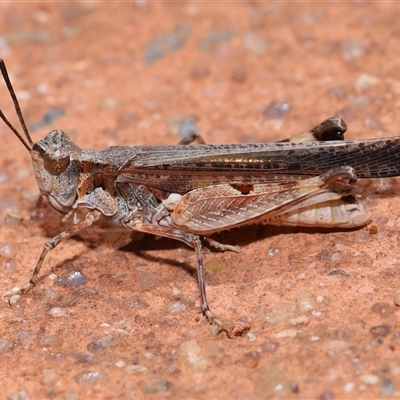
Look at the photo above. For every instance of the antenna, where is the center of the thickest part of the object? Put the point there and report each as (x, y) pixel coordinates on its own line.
(29, 143)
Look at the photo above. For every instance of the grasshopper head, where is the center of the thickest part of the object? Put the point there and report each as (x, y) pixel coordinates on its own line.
(57, 166)
(56, 160)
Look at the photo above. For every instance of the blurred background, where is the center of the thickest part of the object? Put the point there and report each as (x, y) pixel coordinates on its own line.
(142, 72)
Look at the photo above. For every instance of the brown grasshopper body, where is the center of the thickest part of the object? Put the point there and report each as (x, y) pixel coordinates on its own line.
(187, 193)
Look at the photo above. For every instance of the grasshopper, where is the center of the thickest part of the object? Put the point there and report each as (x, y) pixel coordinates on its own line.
(187, 193)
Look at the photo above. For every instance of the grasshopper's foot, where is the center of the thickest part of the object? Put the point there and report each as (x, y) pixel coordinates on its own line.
(221, 246)
(218, 325)
(237, 329)
(13, 296)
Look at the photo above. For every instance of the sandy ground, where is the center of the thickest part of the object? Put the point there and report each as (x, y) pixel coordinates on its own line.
(117, 316)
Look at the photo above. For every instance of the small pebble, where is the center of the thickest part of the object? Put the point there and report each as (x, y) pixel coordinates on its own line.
(339, 92)
(238, 75)
(302, 319)
(373, 229)
(380, 330)
(371, 122)
(335, 346)
(21, 395)
(51, 341)
(215, 38)
(382, 220)
(316, 313)
(276, 110)
(271, 383)
(396, 337)
(70, 396)
(6, 249)
(76, 279)
(51, 115)
(214, 266)
(326, 396)
(323, 255)
(160, 45)
(56, 357)
(396, 223)
(58, 312)
(88, 378)
(270, 346)
(280, 312)
(83, 358)
(126, 119)
(255, 44)
(382, 186)
(384, 310)
(154, 385)
(4, 48)
(6, 345)
(362, 237)
(341, 334)
(387, 387)
(352, 50)
(305, 301)
(361, 102)
(365, 81)
(339, 272)
(191, 352)
(312, 265)
(120, 364)
(138, 303)
(22, 336)
(48, 376)
(177, 307)
(349, 386)
(274, 250)
(286, 333)
(182, 127)
(147, 281)
(49, 296)
(109, 103)
(99, 346)
(251, 337)
(251, 359)
(370, 379)
(175, 291)
(95, 348)
(136, 369)
(200, 72)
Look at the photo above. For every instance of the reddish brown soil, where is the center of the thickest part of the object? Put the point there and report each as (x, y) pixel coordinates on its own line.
(129, 74)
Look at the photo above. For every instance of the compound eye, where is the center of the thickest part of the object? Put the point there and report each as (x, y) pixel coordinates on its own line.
(56, 167)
